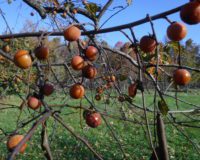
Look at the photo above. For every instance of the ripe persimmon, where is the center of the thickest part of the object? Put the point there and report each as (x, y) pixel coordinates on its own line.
(181, 77)
(77, 91)
(13, 141)
(48, 89)
(77, 63)
(190, 12)
(132, 90)
(34, 103)
(91, 53)
(176, 31)
(89, 72)
(147, 44)
(72, 33)
(93, 120)
(42, 52)
(22, 59)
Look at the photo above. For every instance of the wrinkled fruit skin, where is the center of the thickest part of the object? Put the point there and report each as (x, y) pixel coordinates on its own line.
(132, 90)
(93, 120)
(34, 103)
(13, 141)
(47, 89)
(77, 91)
(147, 44)
(176, 31)
(91, 53)
(89, 72)
(190, 13)
(22, 59)
(181, 77)
(72, 33)
(77, 63)
(42, 52)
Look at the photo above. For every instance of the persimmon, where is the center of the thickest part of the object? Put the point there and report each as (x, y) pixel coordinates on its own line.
(48, 88)
(181, 77)
(91, 53)
(72, 33)
(77, 91)
(74, 11)
(22, 59)
(13, 141)
(34, 103)
(6, 48)
(112, 78)
(99, 90)
(176, 31)
(89, 72)
(42, 52)
(147, 44)
(77, 63)
(132, 90)
(93, 120)
(98, 97)
(190, 12)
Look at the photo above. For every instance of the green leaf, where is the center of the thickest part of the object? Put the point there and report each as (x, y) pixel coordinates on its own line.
(162, 105)
(92, 8)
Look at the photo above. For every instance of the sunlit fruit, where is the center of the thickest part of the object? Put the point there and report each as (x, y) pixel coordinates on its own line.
(42, 52)
(34, 103)
(181, 77)
(72, 33)
(22, 59)
(147, 44)
(77, 63)
(190, 13)
(176, 31)
(91, 53)
(132, 90)
(6, 48)
(93, 120)
(89, 72)
(48, 89)
(13, 141)
(112, 78)
(77, 91)
(98, 97)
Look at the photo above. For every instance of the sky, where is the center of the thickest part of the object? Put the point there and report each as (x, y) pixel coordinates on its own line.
(17, 13)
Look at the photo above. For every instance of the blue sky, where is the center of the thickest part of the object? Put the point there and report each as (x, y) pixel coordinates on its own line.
(17, 14)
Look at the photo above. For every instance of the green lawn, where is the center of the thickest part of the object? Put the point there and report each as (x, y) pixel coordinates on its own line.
(131, 136)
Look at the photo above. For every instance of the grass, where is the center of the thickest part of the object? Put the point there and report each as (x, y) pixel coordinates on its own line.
(132, 136)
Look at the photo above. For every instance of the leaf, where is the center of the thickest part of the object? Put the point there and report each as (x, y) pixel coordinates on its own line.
(129, 2)
(162, 105)
(92, 8)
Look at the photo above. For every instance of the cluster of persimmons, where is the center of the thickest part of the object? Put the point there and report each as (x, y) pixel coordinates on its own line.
(190, 14)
